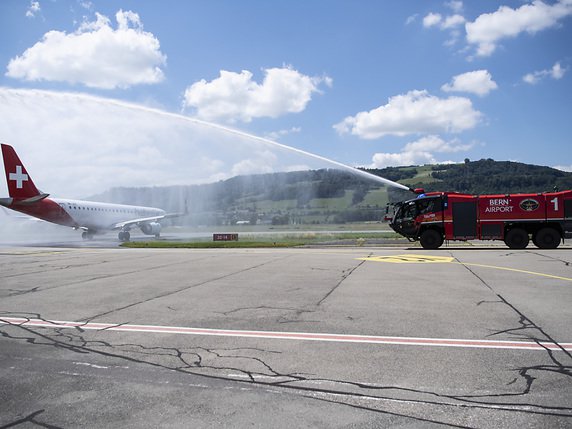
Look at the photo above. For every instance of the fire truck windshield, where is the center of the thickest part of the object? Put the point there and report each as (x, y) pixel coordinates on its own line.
(411, 209)
(405, 210)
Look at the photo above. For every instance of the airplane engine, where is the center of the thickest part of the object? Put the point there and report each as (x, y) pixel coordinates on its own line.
(151, 228)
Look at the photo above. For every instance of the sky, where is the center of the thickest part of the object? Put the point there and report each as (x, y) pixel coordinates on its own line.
(363, 82)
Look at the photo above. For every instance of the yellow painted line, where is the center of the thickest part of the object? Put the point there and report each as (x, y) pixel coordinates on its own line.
(423, 259)
(517, 271)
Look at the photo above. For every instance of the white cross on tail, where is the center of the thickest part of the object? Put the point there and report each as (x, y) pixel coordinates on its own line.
(19, 177)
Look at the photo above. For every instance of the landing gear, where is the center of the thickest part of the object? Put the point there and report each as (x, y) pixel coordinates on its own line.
(124, 236)
(547, 238)
(86, 235)
(516, 238)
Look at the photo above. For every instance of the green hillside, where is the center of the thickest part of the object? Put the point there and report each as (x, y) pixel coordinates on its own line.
(480, 177)
(307, 197)
(332, 196)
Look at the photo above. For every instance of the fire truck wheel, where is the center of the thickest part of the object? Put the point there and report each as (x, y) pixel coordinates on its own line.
(547, 238)
(431, 239)
(516, 238)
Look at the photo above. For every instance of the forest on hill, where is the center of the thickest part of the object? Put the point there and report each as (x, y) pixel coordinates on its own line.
(485, 176)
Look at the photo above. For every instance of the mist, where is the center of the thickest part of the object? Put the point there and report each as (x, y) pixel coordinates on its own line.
(80, 146)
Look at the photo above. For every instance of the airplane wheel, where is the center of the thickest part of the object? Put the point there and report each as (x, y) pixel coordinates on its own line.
(516, 238)
(124, 236)
(84, 235)
(547, 238)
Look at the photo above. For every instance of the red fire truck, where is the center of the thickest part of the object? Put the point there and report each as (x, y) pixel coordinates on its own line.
(437, 216)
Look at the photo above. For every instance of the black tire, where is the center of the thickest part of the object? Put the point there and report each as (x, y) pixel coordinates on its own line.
(516, 238)
(124, 236)
(547, 238)
(431, 239)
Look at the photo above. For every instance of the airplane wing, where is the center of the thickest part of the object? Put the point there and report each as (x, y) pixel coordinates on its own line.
(137, 222)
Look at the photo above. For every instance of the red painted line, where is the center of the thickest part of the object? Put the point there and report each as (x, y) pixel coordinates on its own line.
(305, 336)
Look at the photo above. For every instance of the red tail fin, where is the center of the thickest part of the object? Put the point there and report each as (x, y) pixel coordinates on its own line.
(20, 184)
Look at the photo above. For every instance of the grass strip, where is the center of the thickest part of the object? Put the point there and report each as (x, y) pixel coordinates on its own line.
(251, 241)
(211, 244)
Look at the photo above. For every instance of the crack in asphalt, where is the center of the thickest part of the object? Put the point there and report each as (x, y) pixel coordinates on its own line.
(567, 263)
(65, 267)
(31, 418)
(522, 331)
(261, 307)
(282, 319)
(106, 276)
(219, 361)
(390, 413)
(69, 266)
(345, 275)
(184, 288)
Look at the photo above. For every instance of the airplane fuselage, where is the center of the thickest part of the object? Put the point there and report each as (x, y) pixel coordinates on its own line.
(94, 216)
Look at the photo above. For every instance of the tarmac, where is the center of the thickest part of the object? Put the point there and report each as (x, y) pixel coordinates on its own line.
(335, 337)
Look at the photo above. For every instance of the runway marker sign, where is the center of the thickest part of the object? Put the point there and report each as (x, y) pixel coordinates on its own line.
(424, 259)
(410, 259)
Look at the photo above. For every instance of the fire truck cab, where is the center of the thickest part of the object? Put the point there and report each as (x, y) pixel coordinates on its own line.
(514, 218)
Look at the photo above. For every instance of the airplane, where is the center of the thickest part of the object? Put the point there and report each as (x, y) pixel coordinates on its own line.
(89, 216)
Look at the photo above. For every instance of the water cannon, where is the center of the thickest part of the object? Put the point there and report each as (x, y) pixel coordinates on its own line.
(417, 191)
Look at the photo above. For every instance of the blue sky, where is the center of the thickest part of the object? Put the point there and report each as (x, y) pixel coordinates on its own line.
(365, 82)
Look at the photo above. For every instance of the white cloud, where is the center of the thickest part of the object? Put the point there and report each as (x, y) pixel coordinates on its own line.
(556, 72)
(33, 9)
(382, 160)
(435, 143)
(419, 152)
(489, 28)
(477, 82)
(432, 19)
(436, 20)
(236, 97)
(416, 112)
(95, 55)
(450, 23)
(411, 19)
(567, 168)
(275, 135)
(455, 5)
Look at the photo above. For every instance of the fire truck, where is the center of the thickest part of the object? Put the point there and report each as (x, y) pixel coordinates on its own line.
(434, 217)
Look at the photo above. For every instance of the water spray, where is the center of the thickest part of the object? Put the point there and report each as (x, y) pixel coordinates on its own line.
(86, 97)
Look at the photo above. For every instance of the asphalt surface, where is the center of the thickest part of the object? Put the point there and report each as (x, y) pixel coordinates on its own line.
(475, 338)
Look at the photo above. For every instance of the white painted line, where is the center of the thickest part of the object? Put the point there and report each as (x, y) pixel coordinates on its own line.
(301, 336)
